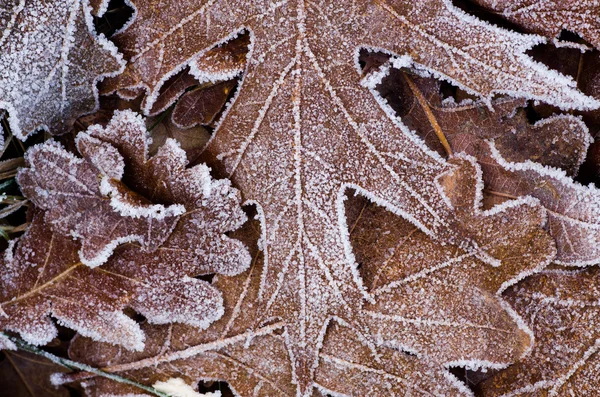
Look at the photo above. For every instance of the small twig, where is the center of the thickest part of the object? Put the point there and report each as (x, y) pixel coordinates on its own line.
(74, 365)
(161, 117)
(432, 120)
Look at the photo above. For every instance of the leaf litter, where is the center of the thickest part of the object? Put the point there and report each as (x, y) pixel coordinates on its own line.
(305, 125)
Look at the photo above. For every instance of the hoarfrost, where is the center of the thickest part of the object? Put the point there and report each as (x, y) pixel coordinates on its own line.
(43, 272)
(176, 387)
(51, 60)
(302, 128)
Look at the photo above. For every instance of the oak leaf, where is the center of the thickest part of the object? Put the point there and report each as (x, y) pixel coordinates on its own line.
(517, 158)
(433, 307)
(43, 272)
(551, 17)
(562, 308)
(218, 65)
(51, 60)
(304, 126)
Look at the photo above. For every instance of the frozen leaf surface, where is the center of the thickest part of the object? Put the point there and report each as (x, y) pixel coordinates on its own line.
(562, 308)
(425, 315)
(50, 61)
(304, 127)
(43, 273)
(517, 158)
(550, 17)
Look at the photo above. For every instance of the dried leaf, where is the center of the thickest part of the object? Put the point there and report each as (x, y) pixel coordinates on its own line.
(247, 346)
(217, 65)
(191, 140)
(201, 106)
(170, 91)
(304, 127)
(562, 309)
(88, 198)
(518, 159)
(51, 60)
(550, 17)
(42, 273)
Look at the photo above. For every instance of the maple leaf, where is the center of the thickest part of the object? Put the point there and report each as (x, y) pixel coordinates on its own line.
(426, 294)
(51, 62)
(43, 271)
(517, 158)
(303, 128)
(551, 17)
(562, 309)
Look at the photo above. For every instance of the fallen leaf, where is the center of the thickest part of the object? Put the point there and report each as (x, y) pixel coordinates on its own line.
(517, 158)
(551, 17)
(43, 272)
(562, 308)
(51, 60)
(25, 374)
(202, 105)
(304, 127)
(191, 140)
(415, 345)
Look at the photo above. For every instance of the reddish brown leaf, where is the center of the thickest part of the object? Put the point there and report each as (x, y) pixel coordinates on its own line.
(247, 347)
(191, 140)
(305, 126)
(517, 159)
(51, 60)
(562, 309)
(201, 106)
(43, 274)
(550, 17)
(24, 374)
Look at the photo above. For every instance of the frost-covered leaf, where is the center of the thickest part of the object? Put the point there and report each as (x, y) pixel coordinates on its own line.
(304, 127)
(551, 17)
(478, 56)
(88, 198)
(24, 374)
(217, 65)
(563, 310)
(50, 62)
(517, 159)
(445, 311)
(43, 274)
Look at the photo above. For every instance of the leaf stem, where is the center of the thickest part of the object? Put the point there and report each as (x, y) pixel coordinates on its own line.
(72, 365)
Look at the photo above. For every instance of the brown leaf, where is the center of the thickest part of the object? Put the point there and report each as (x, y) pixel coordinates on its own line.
(247, 346)
(191, 140)
(561, 307)
(51, 60)
(170, 91)
(24, 374)
(43, 272)
(201, 105)
(88, 199)
(550, 17)
(517, 158)
(305, 126)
